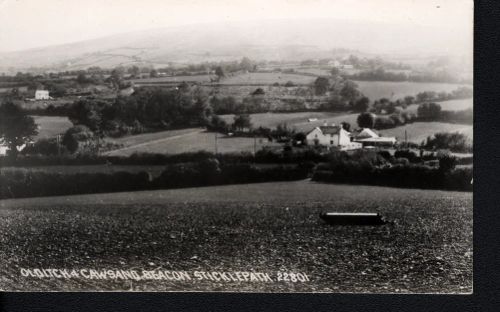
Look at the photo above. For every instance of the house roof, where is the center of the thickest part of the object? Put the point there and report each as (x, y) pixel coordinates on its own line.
(378, 140)
(329, 129)
(365, 133)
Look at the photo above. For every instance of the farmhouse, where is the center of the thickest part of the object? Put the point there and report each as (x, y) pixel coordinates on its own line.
(368, 137)
(331, 137)
(42, 95)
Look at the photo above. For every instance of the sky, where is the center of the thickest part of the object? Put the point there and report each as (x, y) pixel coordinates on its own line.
(28, 24)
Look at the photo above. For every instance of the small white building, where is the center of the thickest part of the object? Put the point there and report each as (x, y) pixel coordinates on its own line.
(368, 137)
(42, 95)
(331, 137)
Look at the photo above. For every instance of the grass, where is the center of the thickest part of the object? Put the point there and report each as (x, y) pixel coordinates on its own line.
(376, 90)
(266, 227)
(419, 131)
(50, 126)
(299, 121)
(193, 141)
(267, 78)
(452, 105)
(173, 79)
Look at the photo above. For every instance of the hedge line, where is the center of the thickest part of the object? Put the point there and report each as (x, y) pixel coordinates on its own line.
(262, 156)
(18, 183)
(407, 176)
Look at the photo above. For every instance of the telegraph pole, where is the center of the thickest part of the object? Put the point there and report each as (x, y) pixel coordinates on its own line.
(254, 145)
(216, 150)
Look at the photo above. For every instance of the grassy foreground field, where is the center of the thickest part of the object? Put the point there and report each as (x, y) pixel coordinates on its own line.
(269, 227)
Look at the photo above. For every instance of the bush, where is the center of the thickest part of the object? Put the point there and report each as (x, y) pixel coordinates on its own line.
(18, 183)
(411, 156)
(399, 175)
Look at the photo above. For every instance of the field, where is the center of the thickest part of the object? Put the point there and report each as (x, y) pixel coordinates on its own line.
(238, 79)
(298, 121)
(173, 79)
(376, 90)
(453, 105)
(269, 227)
(50, 126)
(419, 131)
(193, 141)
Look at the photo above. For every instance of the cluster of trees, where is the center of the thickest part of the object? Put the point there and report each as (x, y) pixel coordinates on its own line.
(455, 142)
(254, 103)
(379, 74)
(386, 106)
(372, 168)
(221, 69)
(459, 93)
(343, 94)
(16, 127)
(425, 112)
(147, 109)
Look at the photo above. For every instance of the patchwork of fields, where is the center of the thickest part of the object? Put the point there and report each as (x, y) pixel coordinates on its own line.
(268, 227)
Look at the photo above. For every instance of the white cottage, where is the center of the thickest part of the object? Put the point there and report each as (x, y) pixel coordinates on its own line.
(332, 137)
(42, 95)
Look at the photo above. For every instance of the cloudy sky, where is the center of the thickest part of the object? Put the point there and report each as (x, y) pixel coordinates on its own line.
(36, 23)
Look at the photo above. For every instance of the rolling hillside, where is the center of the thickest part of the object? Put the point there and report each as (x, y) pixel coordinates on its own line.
(270, 39)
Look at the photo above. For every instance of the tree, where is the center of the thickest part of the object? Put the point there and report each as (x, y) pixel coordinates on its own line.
(447, 163)
(76, 136)
(258, 91)
(362, 104)
(429, 111)
(242, 122)
(134, 71)
(153, 73)
(117, 76)
(219, 72)
(346, 126)
(321, 85)
(16, 127)
(408, 100)
(366, 120)
(82, 78)
(247, 64)
(299, 138)
(335, 71)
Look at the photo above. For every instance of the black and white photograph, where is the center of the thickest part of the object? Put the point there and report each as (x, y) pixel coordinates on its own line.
(267, 146)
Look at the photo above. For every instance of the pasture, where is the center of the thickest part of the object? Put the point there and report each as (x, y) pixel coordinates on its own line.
(172, 79)
(267, 78)
(376, 90)
(452, 105)
(50, 126)
(419, 131)
(194, 141)
(298, 121)
(267, 227)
